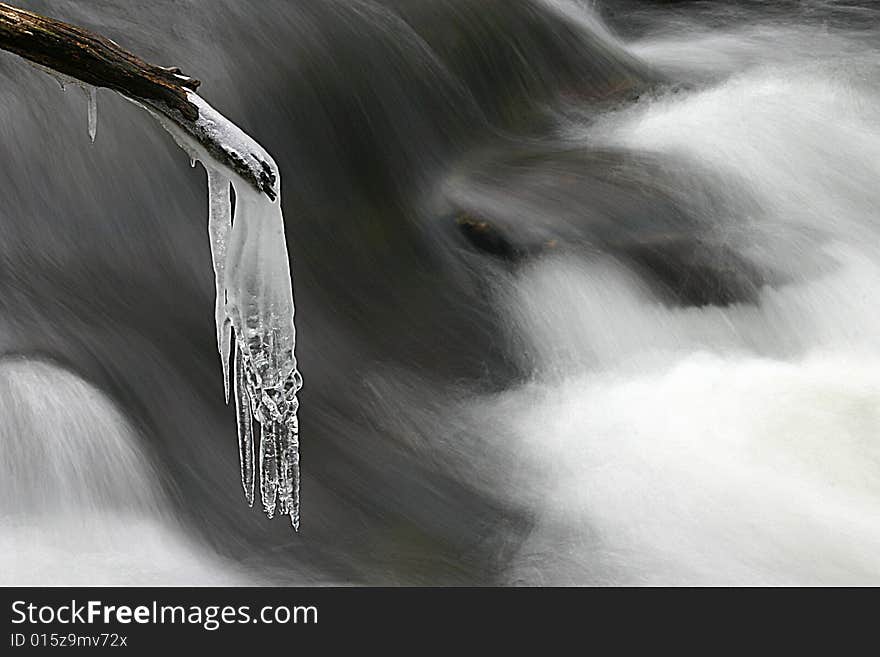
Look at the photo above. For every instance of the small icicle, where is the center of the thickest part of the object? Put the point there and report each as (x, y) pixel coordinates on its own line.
(219, 225)
(285, 469)
(268, 467)
(192, 162)
(245, 430)
(93, 112)
(290, 466)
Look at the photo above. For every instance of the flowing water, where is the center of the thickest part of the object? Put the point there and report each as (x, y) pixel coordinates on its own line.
(586, 293)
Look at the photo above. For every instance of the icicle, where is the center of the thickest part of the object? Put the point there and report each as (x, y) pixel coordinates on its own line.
(192, 162)
(260, 306)
(288, 477)
(93, 112)
(245, 430)
(219, 225)
(268, 467)
(254, 300)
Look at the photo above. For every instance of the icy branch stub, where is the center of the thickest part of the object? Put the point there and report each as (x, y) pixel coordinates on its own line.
(254, 307)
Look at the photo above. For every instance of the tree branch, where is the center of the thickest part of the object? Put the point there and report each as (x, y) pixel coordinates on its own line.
(98, 61)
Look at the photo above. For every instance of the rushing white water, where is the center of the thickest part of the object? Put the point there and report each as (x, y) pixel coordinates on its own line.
(79, 497)
(717, 445)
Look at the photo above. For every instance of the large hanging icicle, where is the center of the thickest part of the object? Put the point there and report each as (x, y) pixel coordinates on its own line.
(251, 268)
(259, 304)
(254, 305)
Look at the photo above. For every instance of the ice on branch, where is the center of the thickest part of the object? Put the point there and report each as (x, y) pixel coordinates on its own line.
(254, 305)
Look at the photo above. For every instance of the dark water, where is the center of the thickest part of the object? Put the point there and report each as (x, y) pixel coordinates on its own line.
(470, 212)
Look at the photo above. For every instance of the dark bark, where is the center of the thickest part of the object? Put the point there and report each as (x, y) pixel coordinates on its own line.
(96, 60)
(92, 58)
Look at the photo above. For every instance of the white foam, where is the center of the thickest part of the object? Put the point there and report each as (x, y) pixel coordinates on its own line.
(715, 445)
(79, 498)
